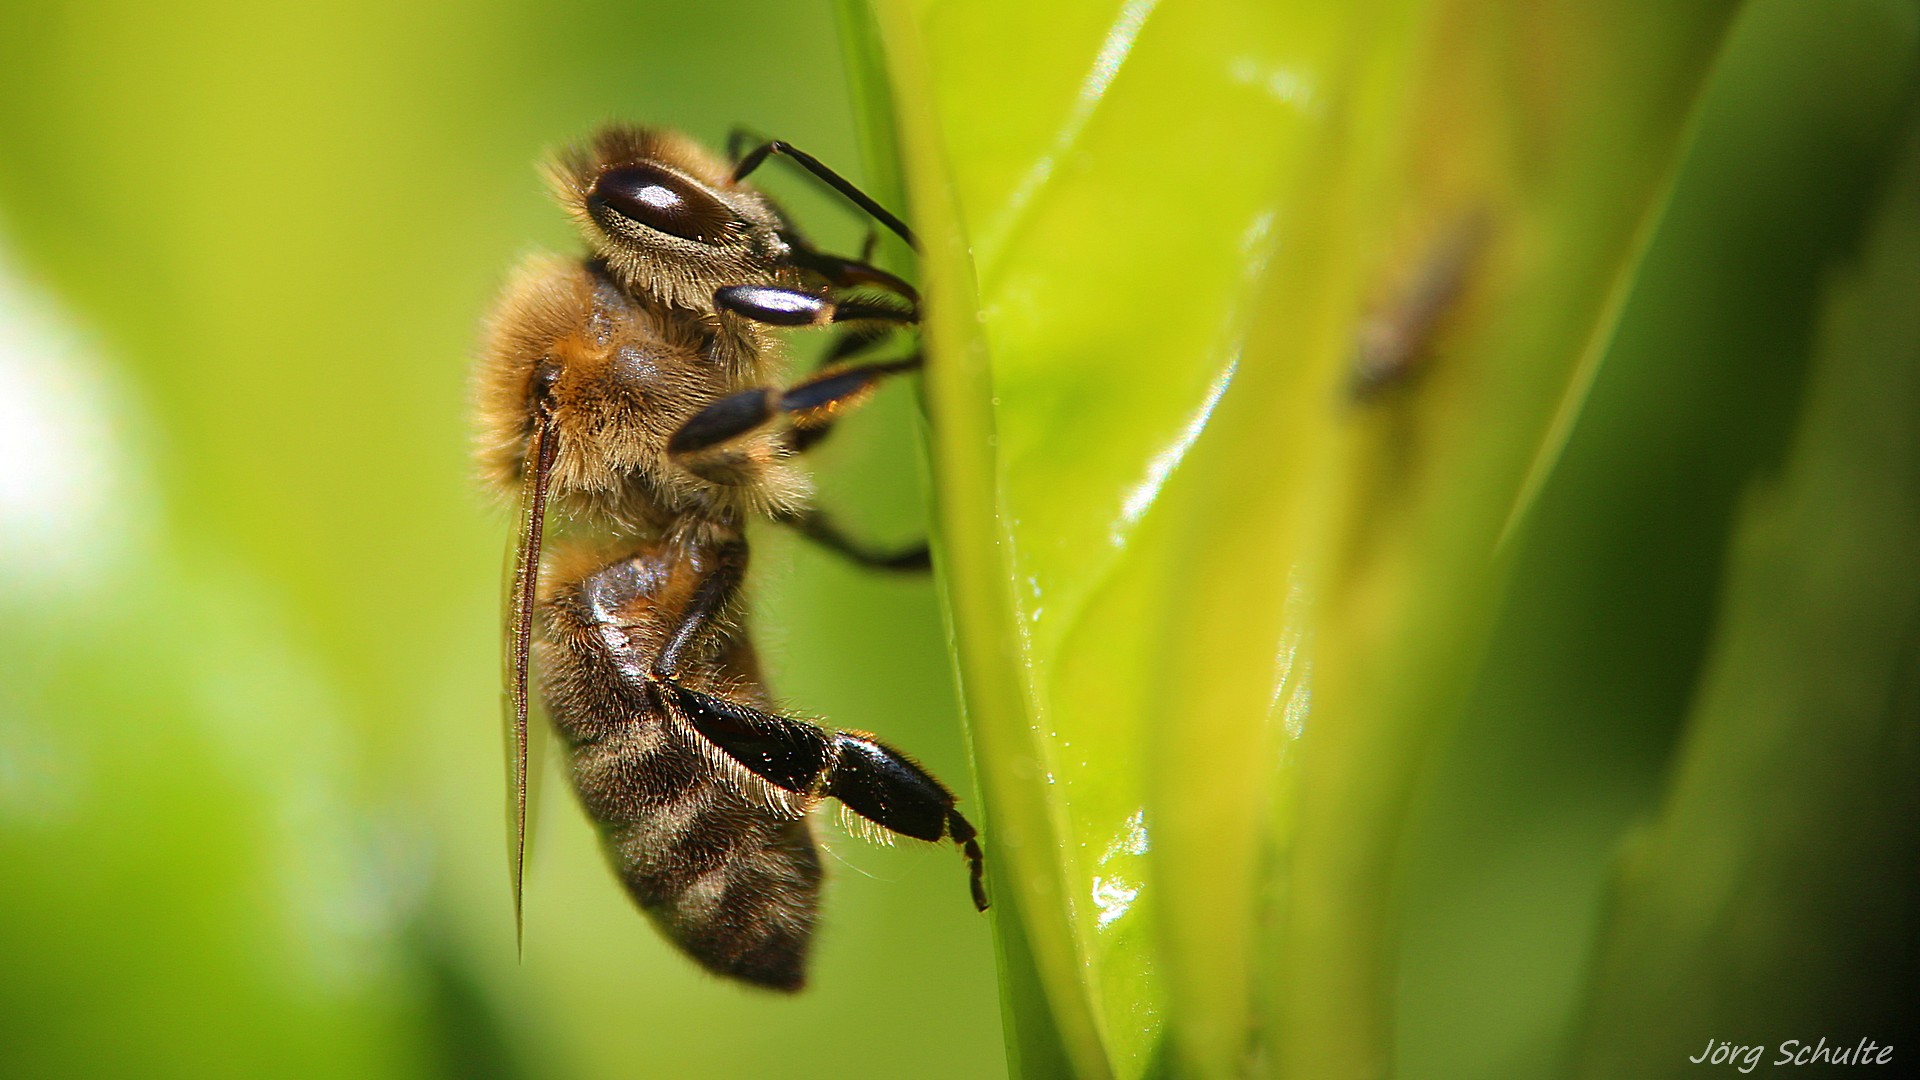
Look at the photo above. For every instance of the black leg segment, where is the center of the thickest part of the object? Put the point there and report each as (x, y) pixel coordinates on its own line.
(790, 307)
(753, 158)
(822, 530)
(729, 418)
(835, 388)
(785, 752)
(880, 784)
(856, 339)
(711, 597)
(808, 404)
(869, 777)
(853, 273)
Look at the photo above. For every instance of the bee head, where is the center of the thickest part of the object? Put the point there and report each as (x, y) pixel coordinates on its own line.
(666, 216)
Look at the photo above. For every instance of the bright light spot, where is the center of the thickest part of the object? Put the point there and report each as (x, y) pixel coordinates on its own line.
(1132, 839)
(1093, 88)
(1113, 898)
(1285, 85)
(1255, 251)
(1148, 489)
(1299, 703)
(1113, 893)
(1113, 52)
(1292, 672)
(64, 483)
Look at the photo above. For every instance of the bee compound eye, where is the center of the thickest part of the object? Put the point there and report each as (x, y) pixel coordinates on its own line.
(664, 202)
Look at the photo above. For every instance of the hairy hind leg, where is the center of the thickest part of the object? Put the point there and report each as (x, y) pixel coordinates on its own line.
(868, 777)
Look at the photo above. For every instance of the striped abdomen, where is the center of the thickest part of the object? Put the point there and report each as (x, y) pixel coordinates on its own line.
(725, 866)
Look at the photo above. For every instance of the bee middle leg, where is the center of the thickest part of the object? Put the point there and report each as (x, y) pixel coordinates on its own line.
(819, 527)
(813, 402)
(717, 590)
(854, 341)
(812, 406)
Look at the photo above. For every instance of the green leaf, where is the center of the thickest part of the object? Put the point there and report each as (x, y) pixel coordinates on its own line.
(1569, 738)
(1774, 893)
(1213, 602)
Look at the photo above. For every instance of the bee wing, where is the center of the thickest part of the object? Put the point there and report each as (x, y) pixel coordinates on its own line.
(526, 742)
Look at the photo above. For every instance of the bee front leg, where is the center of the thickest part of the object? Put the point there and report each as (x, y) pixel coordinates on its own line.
(844, 273)
(776, 306)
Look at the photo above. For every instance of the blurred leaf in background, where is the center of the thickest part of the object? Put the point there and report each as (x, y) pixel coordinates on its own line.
(1340, 415)
(1587, 709)
(249, 757)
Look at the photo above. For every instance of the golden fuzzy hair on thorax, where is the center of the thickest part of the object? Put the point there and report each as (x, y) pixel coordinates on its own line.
(623, 379)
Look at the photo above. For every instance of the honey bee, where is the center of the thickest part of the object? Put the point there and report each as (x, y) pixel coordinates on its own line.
(627, 398)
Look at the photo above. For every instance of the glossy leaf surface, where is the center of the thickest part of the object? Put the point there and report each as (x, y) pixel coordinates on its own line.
(1283, 316)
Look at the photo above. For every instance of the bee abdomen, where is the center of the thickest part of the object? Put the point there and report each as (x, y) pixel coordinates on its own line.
(635, 777)
(734, 887)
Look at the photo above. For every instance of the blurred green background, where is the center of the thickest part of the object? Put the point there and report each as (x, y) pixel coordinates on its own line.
(250, 776)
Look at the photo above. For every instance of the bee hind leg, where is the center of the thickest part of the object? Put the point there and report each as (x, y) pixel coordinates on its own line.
(716, 591)
(887, 788)
(869, 777)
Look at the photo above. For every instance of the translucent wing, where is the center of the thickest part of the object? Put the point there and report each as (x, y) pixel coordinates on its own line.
(526, 739)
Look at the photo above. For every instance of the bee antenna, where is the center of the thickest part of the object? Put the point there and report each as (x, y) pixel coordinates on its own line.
(828, 177)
